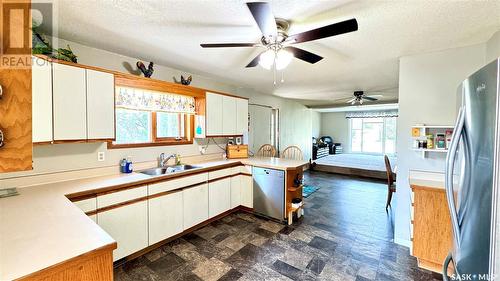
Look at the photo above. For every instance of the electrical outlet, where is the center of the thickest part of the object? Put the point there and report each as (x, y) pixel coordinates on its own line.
(100, 156)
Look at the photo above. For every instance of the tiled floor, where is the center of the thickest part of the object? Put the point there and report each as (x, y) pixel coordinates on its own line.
(345, 235)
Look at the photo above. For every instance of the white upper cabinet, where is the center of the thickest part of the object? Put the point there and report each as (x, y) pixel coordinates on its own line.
(241, 116)
(70, 102)
(229, 115)
(214, 111)
(226, 115)
(41, 73)
(100, 105)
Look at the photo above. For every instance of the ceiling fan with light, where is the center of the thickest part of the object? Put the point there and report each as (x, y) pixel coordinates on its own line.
(279, 50)
(360, 97)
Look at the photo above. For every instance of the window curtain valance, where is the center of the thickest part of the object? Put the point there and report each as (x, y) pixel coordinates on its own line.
(139, 99)
(371, 114)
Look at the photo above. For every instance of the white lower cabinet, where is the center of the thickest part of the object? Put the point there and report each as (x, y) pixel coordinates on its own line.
(165, 216)
(195, 207)
(246, 191)
(235, 191)
(219, 194)
(128, 225)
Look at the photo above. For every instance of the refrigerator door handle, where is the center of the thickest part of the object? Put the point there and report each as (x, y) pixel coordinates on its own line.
(449, 167)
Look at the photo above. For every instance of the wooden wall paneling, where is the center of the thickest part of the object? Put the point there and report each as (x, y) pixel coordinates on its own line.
(15, 120)
(432, 238)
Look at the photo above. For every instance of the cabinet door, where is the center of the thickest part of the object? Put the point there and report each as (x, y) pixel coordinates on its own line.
(214, 115)
(195, 207)
(241, 116)
(100, 105)
(229, 115)
(15, 120)
(235, 191)
(70, 102)
(219, 194)
(128, 225)
(165, 216)
(246, 191)
(42, 100)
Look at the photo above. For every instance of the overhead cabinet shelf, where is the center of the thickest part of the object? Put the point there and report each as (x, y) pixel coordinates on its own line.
(226, 115)
(72, 103)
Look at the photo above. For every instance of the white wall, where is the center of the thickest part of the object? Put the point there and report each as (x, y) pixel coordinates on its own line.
(427, 94)
(295, 122)
(493, 47)
(316, 124)
(335, 125)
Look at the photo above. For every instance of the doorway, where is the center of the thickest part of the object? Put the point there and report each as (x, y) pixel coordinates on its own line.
(264, 127)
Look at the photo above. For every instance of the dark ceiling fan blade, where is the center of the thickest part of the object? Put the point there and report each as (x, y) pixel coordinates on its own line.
(369, 98)
(325, 31)
(254, 62)
(227, 45)
(304, 55)
(261, 12)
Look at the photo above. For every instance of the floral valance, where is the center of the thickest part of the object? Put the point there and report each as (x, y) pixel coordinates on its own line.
(139, 99)
(371, 114)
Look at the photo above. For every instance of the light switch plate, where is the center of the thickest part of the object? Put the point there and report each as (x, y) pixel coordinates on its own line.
(100, 156)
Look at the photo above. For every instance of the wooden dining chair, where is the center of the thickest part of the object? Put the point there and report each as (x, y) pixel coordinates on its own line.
(292, 152)
(266, 150)
(391, 187)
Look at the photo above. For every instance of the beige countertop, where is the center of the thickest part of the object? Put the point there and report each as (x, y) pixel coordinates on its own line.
(40, 227)
(428, 179)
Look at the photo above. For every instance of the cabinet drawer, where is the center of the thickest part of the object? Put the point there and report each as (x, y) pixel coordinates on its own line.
(121, 196)
(246, 169)
(87, 205)
(177, 183)
(222, 173)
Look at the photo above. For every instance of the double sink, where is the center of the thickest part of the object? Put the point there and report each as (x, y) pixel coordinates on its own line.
(168, 170)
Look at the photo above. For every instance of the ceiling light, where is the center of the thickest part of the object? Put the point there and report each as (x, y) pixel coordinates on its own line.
(267, 59)
(283, 59)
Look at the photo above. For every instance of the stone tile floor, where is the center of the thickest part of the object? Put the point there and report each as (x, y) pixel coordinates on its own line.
(345, 235)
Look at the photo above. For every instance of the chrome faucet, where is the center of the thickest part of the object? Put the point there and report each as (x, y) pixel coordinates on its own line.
(162, 160)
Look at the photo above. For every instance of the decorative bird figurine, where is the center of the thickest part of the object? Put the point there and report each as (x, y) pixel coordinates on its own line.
(184, 81)
(147, 72)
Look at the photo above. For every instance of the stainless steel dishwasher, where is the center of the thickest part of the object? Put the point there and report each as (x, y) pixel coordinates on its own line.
(269, 192)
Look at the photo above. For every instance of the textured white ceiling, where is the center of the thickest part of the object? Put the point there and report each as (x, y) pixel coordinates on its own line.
(169, 33)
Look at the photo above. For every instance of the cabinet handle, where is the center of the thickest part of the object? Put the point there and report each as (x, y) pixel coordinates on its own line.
(1, 139)
(1, 92)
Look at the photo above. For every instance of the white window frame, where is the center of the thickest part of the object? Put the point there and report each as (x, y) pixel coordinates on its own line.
(383, 137)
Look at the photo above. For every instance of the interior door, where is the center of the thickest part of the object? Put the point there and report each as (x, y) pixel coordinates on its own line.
(260, 126)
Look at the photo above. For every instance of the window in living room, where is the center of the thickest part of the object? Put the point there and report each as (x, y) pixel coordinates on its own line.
(373, 135)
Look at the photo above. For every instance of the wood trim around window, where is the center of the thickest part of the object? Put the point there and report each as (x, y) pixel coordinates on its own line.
(187, 139)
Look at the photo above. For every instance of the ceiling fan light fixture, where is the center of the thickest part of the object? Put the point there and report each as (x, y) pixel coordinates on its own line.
(283, 59)
(267, 59)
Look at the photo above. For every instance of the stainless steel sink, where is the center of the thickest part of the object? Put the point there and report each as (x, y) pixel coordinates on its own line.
(168, 170)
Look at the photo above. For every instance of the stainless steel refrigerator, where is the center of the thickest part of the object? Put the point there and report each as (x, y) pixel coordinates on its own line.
(470, 158)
